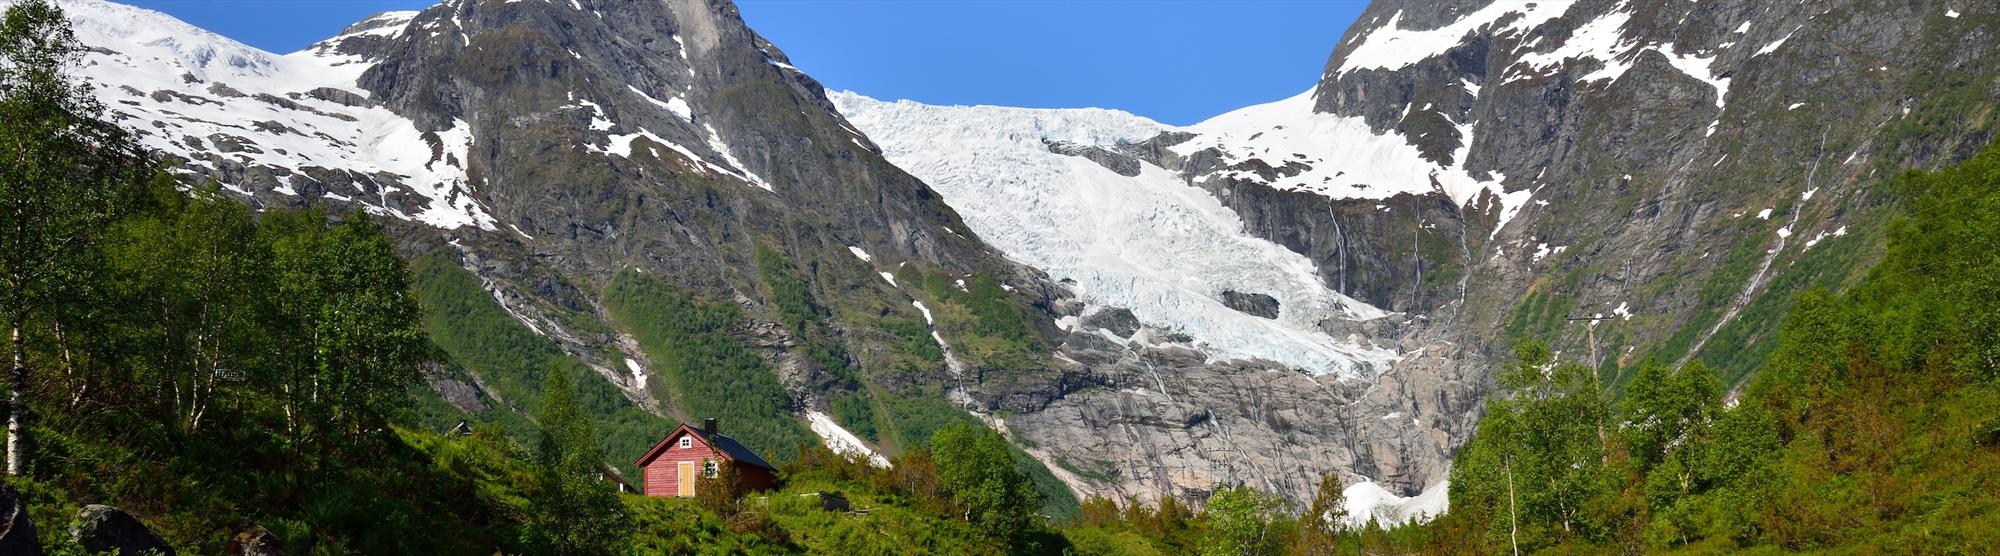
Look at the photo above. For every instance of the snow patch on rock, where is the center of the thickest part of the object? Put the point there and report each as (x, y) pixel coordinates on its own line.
(184, 88)
(1369, 500)
(1391, 47)
(841, 441)
(1345, 158)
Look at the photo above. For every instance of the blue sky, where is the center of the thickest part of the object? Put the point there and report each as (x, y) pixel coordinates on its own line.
(1177, 61)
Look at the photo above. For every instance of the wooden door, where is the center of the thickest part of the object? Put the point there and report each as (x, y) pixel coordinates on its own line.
(686, 479)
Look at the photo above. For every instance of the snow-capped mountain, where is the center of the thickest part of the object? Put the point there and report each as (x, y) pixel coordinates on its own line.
(545, 146)
(298, 120)
(1319, 284)
(1624, 179)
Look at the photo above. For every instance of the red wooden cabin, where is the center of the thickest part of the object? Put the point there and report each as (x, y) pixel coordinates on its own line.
(672, 467)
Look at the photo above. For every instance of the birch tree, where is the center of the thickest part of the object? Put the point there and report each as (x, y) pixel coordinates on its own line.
(64, 174)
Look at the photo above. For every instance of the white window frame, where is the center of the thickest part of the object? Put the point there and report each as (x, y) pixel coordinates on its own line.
(687, 442)
(709, 468)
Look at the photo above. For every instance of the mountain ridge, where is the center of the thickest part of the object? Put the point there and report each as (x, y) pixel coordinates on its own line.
(553, 149)
(1568, 177)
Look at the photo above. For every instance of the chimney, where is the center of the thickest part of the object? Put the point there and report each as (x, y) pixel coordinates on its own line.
(708, 425)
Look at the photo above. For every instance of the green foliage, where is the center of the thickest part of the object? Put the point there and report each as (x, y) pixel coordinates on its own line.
(201, 277)
(675, 526)
(803, 314)
(791, 295)
(225, 368)
(1242, 521)
(1538, 458)
(982, 319)
(915, 339)
(976, 467)
(344, 297)
(914, 418)
(1088, 471)
(574, 510)
(1320, 527)
(1866, 430)
(1665, 409)
(238, 371)
(709, 372)
(66, 173)
(1538, 314)
(856, 415)
(465, 322)
(994, 311)
(722, 493)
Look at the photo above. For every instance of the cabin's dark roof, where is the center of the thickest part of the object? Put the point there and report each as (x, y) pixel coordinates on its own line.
(735, 450)
(730, 448)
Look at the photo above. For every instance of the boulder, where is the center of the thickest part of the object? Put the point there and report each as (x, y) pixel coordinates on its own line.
(17, 532)
(101, 528)
(830, 501)
(255, 541)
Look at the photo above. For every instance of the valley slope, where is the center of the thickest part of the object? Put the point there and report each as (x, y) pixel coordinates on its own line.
(1318, 285)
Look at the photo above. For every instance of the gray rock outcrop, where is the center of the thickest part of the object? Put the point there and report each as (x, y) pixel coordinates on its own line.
(101, 528)
(17, 531)
(1259, 304)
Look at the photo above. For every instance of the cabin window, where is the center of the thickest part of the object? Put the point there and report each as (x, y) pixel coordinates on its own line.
(708, 468)
(687, 442)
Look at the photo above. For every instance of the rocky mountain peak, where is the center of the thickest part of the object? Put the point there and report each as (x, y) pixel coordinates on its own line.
(1622, 179)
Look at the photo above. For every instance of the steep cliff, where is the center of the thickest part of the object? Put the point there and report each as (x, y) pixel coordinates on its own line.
(648, 190)
(1624, 179)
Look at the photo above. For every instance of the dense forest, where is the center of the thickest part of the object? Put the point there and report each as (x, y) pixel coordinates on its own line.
(221, 372)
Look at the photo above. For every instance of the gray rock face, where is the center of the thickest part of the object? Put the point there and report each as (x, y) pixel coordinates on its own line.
(100, 528)
(17, 532)
(1164, 421)
(1687, 167)
(1118, 321)
(598, 135)
(1262, 305)
(1122, 163)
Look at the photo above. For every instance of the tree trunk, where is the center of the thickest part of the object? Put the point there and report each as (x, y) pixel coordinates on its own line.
(1513, 518)
(17, 404)
(79, 383)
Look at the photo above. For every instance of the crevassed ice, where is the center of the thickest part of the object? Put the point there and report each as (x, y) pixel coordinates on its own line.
(1150, 243)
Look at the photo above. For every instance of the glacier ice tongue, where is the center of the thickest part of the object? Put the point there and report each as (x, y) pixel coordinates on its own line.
(1149, 243)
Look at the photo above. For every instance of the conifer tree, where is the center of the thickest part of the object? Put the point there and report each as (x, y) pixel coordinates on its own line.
(575, 509)
(1324, 520)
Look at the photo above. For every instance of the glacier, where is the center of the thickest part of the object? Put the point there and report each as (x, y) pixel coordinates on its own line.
(1151, 243)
